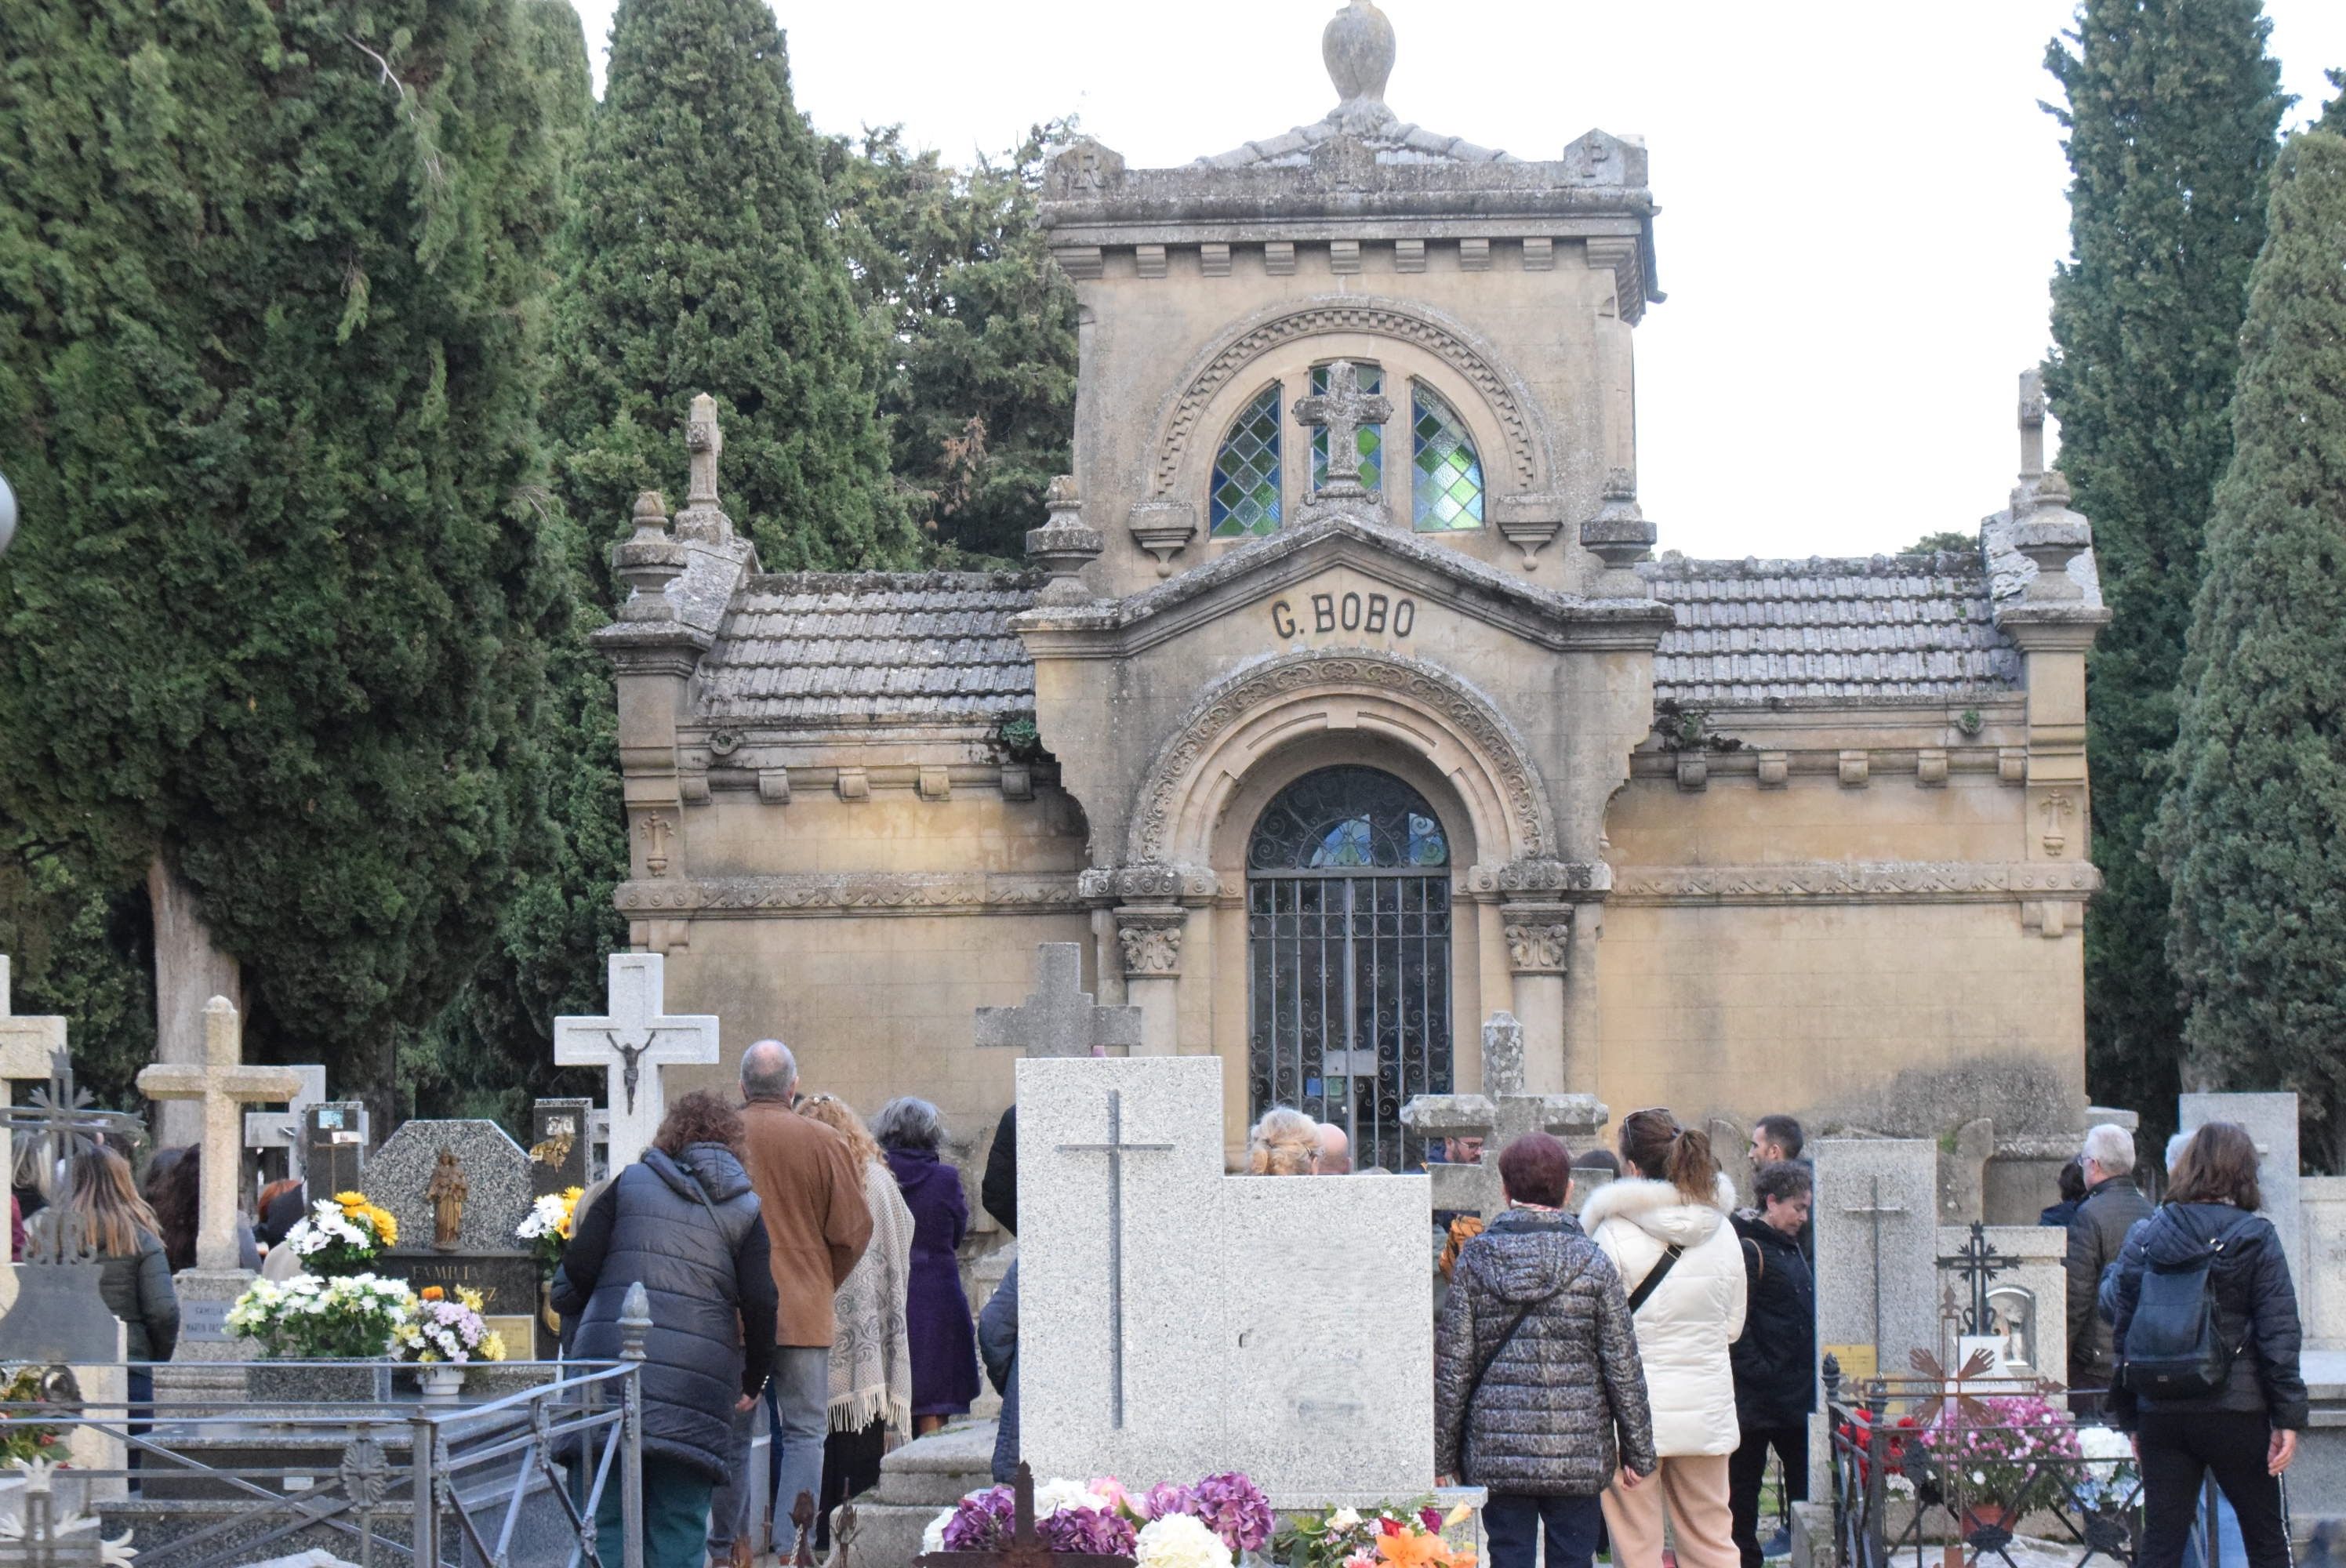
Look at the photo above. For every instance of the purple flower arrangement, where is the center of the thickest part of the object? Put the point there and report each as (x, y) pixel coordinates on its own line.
(1101, 1518)
(1089, 1531)
(1235, 1508)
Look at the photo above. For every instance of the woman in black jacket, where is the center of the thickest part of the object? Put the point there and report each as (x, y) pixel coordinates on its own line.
(683, 1221)
(2244, 1432)
(1539, 1393)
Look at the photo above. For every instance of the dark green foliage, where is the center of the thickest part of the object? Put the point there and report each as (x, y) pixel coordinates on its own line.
(2172, 106)
(2333, 113)
(81, 950)
(268, 311)
(2249, 834)
(952, 267)
(701, 260)
(1932, 543)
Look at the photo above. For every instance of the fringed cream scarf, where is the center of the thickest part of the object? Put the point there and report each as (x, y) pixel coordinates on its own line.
(871, 1352)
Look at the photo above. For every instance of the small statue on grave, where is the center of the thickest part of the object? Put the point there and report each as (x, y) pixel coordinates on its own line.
(446, 1195)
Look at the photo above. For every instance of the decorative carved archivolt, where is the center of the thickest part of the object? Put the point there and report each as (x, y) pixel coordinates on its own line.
(924, 892)
(1533, 876)
(1433, 690)
(1952, 881)
(1380, 317)
(1160, 883)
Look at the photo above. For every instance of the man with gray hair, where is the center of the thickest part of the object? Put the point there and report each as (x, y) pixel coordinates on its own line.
(2096, 1233)
(817, 1225)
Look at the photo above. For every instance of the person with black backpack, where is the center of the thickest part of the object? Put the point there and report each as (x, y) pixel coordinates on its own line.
(2208, 1336)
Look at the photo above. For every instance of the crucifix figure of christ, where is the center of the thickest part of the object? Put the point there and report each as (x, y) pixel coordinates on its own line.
(1116, 1148)
(632, 1042)
(1342, 411)
(1059, 1017)
(1497, 1116)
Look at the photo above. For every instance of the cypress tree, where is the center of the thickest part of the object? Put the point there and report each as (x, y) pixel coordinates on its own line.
(2172, 109)
(2250, 835)
(269, 292)
(701, 260)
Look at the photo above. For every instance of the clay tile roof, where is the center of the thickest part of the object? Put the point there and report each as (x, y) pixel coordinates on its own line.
(1821, 631)
(818, 649)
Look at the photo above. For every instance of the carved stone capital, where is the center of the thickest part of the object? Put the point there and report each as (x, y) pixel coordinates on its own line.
(1151, 939)
(1539, 938)
(1151, 882)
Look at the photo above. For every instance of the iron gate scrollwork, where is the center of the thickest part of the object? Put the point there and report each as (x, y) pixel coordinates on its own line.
(1348, 922)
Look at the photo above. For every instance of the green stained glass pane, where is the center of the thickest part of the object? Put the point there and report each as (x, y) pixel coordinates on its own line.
(1244, 497)
(1446, 489)
(1372, 437)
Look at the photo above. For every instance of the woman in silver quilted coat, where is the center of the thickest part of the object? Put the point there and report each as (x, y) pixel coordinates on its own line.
(1539, 1395)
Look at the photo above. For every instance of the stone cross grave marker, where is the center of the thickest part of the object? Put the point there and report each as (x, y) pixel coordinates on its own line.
(223, 1084)
(282, 1129)
(560, 1143)
(335, 1147)
(1500, 1114)
(1272, 1325)
(2272, 1121)
(1059, 1017)
(633, 1042)
(26, 1048)
(406, 1176)
(1342, 411)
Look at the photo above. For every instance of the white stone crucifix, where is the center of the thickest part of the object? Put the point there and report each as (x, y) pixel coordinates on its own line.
(223, 1084)
(1498, 1115)
(282, 1129)
(1059, 1017)
(26, 1046)
(632, 1044)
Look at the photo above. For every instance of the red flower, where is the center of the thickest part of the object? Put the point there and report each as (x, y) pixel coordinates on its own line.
(1390, 1526)
(1431, 1519)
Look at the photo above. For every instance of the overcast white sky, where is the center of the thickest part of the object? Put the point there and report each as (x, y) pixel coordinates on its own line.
(1862, 202)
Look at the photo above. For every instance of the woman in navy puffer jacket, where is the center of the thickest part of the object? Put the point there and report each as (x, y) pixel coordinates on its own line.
(683, 1221)
(2244, 1432)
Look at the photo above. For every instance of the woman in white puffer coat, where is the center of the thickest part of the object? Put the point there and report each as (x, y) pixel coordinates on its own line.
(1671, 1205)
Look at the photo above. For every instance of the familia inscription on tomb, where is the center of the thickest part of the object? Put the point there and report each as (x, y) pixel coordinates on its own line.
(459, 1190)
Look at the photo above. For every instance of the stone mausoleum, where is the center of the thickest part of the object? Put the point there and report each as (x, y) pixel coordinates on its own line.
(1346, 704)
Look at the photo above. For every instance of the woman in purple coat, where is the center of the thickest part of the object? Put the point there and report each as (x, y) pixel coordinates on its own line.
(936, 1313)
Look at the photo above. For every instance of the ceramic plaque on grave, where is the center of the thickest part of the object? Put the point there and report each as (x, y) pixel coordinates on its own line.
(560, 1138)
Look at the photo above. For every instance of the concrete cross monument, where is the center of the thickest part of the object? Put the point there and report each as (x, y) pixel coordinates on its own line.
(632, 1042)
(222, 1083)
(1059, 1017)
(1342, 411)
(1502, 1114)
(282, 1129)
(28, 1048)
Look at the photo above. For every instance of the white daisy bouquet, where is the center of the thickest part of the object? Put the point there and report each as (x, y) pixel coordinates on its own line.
(450, 1330)
(548, 1226)
(343, 1234)
(344, 1317)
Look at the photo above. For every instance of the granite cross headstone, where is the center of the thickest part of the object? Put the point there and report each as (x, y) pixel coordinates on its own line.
(222, 1083)
(282, 1129)
(632, 1042)
(1877, 1240)
(1502, 1114)
(485, 1254)
(27, 1046)
(559, 1132)
(1274, 1326)
(1059, 1017)
(335, 1147)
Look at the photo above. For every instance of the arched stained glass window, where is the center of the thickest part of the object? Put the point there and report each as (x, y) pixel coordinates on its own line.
(1446, 484)
(1245, 496)
(1344, 818)
(1372, 437)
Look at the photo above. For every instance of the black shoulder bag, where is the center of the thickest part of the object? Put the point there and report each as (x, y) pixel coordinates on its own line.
(1655, 1276)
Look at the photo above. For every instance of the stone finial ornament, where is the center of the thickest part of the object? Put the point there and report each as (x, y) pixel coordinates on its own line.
(1064, 547)
(703, 517)
(648, 561)
(1618, 533)
(2044, 528)
(1358, 47)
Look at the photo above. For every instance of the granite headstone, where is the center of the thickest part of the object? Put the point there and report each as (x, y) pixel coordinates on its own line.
(2272, 1121)
(560, 1140)
(1177, 1321)
(1877, 1240)
(334, 1141)
(484, 1254)
(273, 1131)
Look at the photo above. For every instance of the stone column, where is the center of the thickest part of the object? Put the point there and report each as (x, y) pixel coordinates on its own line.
(1539, 946)
(1151, 937)
(189, 971)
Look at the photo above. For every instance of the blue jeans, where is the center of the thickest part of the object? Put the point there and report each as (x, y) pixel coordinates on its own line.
(798, 1406)
(1511, 1523)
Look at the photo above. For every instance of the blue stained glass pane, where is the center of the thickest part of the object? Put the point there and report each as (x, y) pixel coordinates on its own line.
(1372, 437)
(1244, 498)
(1446, 486)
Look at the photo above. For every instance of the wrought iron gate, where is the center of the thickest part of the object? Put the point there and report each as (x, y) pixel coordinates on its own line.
(1348, 922)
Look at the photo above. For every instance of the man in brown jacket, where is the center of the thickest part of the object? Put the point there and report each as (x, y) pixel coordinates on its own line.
(812, 1197)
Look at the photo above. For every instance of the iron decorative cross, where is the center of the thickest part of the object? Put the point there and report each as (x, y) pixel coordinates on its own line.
(1874, 1209)
(1342, 411)
(1977, 1262)
(1116, 1148)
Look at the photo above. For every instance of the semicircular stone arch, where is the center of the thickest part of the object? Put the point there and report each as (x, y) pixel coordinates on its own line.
(1526, 460)
(1273, 706)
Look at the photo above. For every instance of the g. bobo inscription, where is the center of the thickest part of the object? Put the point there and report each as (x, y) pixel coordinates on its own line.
(1378, 614)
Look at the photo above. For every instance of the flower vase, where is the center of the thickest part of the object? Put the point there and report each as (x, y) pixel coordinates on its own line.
(1980, 1517)
(442, 1383)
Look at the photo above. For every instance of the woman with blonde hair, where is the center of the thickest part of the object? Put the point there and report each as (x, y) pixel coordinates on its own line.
(1663, 1223)
(870, 1349)
(1285, 1142)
